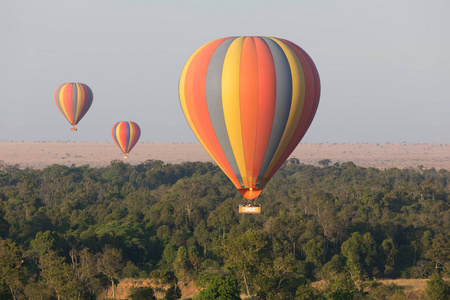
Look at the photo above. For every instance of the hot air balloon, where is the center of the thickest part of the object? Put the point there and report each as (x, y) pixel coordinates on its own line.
(126, 135)
(249, 100)
(73, 100)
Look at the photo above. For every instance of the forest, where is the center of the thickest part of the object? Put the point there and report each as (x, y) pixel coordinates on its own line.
(72, 232)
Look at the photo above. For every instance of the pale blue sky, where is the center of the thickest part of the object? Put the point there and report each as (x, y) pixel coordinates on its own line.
(384, 65)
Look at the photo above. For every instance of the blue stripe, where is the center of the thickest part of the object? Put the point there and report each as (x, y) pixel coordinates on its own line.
(74, 103)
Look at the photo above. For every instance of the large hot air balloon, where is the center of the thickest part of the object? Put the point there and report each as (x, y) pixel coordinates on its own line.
(73, 100)
(249, 100)
(126, 135)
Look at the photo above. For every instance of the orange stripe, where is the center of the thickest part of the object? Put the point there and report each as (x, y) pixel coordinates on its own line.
(248, 100)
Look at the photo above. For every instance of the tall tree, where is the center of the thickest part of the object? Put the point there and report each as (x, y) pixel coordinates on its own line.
(221, 288)
(109, 263)
(12, 270)
(360, 252)
(243, 255)
(437, 288)
(389, 251)
(439, 252)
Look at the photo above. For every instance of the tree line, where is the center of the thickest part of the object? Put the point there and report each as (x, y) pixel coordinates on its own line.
(72, 232)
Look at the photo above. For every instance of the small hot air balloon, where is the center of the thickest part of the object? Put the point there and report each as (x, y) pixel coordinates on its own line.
(73, 100)
(249, 100)
(126, 135)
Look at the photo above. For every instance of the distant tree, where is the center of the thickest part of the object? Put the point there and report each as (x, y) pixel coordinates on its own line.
(278, 276)
(202, 234)
(169, 256)
(405, 260)
(324, 162)
(109, 263)
(180, 265)
(342, 288)
(424, 269)
(13, 273)
(243, 255)
(38, 290)
(4, 225)
(130, 270)
(334, 267)
(439, 251)
(426, 243)
(389, 251)
(173, 292)
(437, 288)
(142, 293)
(187, 192)
(313, 251)
(360, 252)
(5, 292)
(58, 275)
(223, 218)
(370, 254)
(84, 268)
(377, 290)
(307, 292)
(220, 288)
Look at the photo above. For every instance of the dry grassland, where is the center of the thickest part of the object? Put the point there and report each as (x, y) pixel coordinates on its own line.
(97, 154)
(413, 288)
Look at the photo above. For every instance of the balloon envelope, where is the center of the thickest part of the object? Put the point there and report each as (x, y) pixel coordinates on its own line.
(249, 101)
(73, 100)
(126, 135)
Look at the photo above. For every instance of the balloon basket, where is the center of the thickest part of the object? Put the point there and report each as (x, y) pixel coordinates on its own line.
(249, 209)
(73, 129)
(125, 156)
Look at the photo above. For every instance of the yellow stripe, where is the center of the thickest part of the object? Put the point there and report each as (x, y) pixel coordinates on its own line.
(298, 100)
(61, 97)
(183, 97)
(230, 103)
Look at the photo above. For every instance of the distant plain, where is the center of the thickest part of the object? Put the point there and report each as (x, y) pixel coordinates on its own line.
(38, 155)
